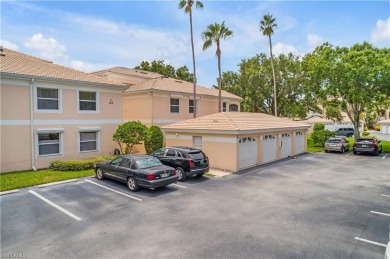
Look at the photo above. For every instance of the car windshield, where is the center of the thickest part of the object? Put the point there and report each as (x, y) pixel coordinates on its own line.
(147, 162)
(365, 140)
(196, 156)
(335, 140)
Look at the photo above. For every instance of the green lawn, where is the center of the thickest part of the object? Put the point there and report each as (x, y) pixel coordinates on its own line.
(15, 180)
(312, 148)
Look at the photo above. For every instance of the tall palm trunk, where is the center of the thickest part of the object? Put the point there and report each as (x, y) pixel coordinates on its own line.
(219, 79)
(193, 63)
(273, 74)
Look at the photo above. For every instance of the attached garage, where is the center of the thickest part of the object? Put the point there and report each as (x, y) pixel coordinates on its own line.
(385, 126)
(236, 140)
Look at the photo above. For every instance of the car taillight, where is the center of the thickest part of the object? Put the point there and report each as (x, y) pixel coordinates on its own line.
(174, 171)
(192, 164)
(150, 177)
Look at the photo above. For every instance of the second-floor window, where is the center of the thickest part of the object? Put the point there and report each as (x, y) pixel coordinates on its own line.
(47, 99)
(175, 105)
(87, 101)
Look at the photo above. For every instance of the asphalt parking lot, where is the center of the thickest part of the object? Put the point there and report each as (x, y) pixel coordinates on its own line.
(315, 206)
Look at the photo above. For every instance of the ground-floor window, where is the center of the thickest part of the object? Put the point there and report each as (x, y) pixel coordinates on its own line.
(49, 144)
(89, 141)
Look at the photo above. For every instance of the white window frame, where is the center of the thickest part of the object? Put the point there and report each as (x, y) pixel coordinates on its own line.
(50, 131)
(88, 130)
(59, 110)
(196, 104)
(174, 97)
(97, 101)
(226, 106)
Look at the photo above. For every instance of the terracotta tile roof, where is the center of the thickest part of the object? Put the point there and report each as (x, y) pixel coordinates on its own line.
(236, 121)
(177, 86)
(14, 63)
(127, 75)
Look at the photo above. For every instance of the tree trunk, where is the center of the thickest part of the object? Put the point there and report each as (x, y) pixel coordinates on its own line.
(219, 79)
(355, 121)
(193, 63)
(273, 73)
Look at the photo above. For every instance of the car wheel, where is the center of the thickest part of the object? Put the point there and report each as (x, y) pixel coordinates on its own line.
(342, 150)
(180, 174)
(99, 174)
(326, 151)
(380, 151)
(132, 184)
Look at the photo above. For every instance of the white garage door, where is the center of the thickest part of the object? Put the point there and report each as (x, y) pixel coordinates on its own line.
(383, 128)
(285, 145)
(248, 152)
(269, 148)
(300, 143)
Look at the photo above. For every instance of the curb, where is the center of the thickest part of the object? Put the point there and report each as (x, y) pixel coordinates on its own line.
(9, 192)
(56, 183)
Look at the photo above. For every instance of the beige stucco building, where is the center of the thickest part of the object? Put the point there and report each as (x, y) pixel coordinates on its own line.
(52, 112)
(158, 100)
(234, 141)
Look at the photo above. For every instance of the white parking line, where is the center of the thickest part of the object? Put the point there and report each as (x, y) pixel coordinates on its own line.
(124, 194)
(179, 186)
(380, 213)
(347, 154)
(55, 205)
(384, 156)
(384, 195)
(370, 242)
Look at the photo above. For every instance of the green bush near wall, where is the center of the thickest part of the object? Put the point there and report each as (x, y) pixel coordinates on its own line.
(77, 165)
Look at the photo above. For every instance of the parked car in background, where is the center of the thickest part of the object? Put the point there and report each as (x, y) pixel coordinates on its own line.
(137, 171)
(367, 145)
(337, 144)
(347, 132)
(186, 160)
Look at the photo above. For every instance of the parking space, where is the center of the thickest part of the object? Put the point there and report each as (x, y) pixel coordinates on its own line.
(316, 206)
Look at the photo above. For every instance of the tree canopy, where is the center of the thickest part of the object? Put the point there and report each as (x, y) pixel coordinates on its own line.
(350, 78)
(163, 68)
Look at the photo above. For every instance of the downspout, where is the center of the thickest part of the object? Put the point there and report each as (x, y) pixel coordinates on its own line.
(32, 124)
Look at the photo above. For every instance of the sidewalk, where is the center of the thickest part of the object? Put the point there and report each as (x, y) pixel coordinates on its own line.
(379, 135)
(218, 173)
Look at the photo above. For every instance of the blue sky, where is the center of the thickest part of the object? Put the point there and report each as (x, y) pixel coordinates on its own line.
(94, 35)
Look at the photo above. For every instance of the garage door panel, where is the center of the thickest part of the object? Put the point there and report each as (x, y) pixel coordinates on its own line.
(285, 145)
(300, 143)
(248, 152)
(269, 148)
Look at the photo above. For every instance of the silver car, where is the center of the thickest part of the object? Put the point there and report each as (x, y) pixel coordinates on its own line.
(337, 144)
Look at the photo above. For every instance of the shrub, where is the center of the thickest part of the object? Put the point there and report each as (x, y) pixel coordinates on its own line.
(365, 128)
(153, 139)
(318, 126)
(77, 165)
(321, 136)
(377, 127)
(365, 133)
(129, 134)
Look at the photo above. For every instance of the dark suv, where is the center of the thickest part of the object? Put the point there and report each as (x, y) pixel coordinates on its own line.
(187, 161)
(347, 132)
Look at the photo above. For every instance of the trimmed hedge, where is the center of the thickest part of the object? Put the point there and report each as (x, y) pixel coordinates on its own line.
(321, 136)
(318, 126)
(77, 165)
(365, 133)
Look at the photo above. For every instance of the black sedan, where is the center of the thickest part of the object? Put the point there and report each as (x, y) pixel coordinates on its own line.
(137, 171)
(367, 145)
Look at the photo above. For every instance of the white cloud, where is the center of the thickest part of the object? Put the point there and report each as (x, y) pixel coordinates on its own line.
(314, 40)
(48, 47)
(281, 48)
(381, 31)
(8, 45)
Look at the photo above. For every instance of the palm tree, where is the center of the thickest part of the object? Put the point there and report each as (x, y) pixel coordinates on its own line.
(187, 5)
(215, 33)
(267, 26)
